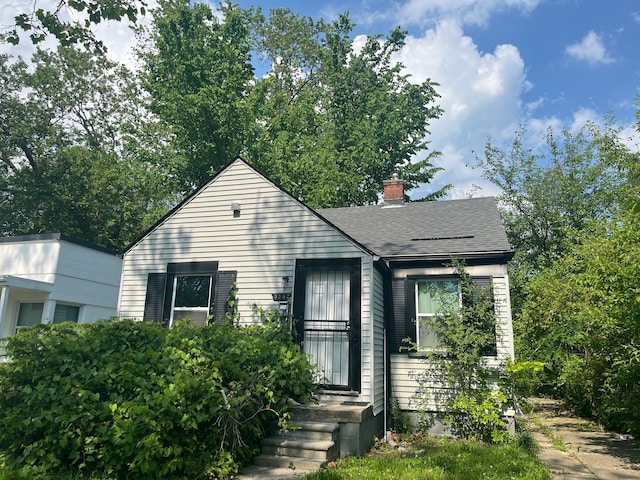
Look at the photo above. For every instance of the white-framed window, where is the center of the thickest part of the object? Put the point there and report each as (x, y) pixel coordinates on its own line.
(66, 313)
(191, 298)
(29, 314)
(434, 297)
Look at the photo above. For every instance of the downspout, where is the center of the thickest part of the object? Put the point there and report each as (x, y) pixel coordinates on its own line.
(384, 364)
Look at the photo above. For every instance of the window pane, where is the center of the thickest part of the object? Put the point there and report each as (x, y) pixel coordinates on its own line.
(192, 291)
(66, 313)
(435, 295)
(198, 317)
(30, 314)
(427, 338)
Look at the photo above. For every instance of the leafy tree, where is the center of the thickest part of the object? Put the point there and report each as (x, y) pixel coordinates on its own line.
(334, 121)
(197, 73)
(42, 22)
(582, 316)
(327, 122)
(68, 161)
(571, 215)
(551, 194)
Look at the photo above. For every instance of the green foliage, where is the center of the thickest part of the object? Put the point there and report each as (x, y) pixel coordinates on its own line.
(129, 399)
(327, 122)
(525, 438)
(44, 22)
(552, 193)
(401, 423)
(197, 70)
(332, 121)
(521, 379)
(68, 162)
(582, 316)
(478, 416)
(571, 212)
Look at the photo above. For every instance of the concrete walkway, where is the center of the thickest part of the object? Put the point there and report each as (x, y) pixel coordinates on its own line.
(255, 472)
(590, 453)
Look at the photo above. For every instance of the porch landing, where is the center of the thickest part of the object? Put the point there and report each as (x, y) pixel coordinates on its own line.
(358, 425)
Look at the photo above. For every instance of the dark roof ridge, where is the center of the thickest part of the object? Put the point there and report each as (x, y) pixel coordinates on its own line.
(57, 236)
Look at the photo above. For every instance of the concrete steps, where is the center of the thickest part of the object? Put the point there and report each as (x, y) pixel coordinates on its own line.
(308, 446)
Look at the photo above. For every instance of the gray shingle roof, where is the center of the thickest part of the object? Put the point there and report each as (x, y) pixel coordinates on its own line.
(434, 229)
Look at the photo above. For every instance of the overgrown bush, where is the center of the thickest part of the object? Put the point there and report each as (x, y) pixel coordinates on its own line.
(582, 318)
(134, 400)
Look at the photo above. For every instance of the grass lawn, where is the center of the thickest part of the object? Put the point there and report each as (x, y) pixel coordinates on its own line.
(425, 458)
(439, 459)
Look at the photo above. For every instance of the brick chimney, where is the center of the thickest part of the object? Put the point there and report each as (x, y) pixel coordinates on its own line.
(394, 190)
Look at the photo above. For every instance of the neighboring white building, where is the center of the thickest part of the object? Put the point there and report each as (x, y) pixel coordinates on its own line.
(52, 278)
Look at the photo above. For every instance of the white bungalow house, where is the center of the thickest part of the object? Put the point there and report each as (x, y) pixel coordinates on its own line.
(53, 278)
(349, 277)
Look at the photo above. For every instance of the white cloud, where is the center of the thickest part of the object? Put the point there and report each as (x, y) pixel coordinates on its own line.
(425, 12)
(480, 93)
(590, 49)
(630, 137)
(583, 116)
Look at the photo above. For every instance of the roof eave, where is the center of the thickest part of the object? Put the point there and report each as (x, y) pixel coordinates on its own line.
(501, 256)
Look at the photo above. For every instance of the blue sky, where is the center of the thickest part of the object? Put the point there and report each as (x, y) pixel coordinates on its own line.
(500, 64)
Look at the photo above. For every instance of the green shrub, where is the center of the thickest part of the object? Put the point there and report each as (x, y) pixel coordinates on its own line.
(478, 416)
(133, 400)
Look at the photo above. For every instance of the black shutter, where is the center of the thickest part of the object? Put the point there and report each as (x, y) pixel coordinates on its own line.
(410, 311)
(154, 301)
(225, 284)
(397, 327)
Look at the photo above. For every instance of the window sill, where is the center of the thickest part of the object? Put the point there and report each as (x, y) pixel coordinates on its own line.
(428, 353)
(441, 353)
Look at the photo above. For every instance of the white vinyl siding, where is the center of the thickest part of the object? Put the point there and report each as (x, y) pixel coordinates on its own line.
(261, 245)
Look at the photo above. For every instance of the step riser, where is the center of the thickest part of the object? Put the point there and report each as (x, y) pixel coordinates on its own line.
(288, 462)
(300, 453)
(307, 435)
(303, 444)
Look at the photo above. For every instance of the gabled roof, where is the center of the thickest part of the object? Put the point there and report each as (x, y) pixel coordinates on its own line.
(459, 228)
(202, 187)
(469, 228)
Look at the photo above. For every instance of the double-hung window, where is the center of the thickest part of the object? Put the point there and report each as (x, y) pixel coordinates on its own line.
(434, 298)
(191, 290)
(192, 297)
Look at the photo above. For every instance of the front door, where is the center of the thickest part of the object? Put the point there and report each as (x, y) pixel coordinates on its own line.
(327, 313)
